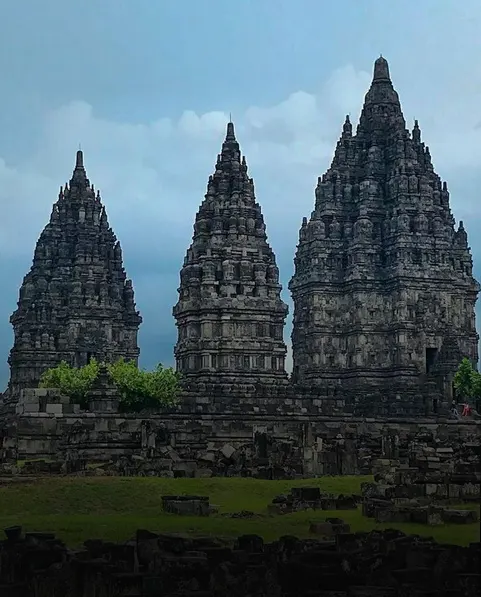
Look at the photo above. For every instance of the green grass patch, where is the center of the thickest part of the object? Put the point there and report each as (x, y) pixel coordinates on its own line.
(113, 508)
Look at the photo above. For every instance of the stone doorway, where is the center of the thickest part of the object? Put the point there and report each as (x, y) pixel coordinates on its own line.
(431, 354)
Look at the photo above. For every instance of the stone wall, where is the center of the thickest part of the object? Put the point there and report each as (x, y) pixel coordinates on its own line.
(204, 437)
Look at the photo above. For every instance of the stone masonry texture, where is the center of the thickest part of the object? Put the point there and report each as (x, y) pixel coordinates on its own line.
(383, 288)
(76, 301)
(230, 316)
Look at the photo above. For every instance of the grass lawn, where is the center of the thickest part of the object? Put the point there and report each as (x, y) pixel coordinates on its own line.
(113, 508)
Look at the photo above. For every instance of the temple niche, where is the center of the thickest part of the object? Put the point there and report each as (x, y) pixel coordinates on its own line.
(230, 316)
(383, 277)
(76, 302)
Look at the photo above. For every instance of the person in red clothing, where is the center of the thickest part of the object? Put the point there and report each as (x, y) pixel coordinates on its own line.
(466, 410)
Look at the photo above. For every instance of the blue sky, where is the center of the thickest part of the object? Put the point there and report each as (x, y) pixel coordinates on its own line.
(146, 87)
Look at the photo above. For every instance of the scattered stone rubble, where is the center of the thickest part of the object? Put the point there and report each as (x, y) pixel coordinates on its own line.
(403, 493)
(227, 435)
(377, 564)
(330, 527)
(311, 498)
(187, 505)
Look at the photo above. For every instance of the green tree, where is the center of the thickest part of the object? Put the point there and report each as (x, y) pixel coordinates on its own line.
(144, 389)
(476, 384)
(138, 389)
(466, 379)
(73, 382)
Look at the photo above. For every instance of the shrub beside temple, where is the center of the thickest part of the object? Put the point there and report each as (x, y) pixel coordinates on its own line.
(467, 381)
(138, 389)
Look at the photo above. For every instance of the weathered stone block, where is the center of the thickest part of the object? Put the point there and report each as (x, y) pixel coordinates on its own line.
(186, 505)
(454, 490)
(54, 409)
(203, 473)
(306, 494)
(39, 392)
(459, 516)
(371, 505)
(329, 528)
(228, 451)
(442, 491)
(393, 514)
(470, 490)
(207, 457)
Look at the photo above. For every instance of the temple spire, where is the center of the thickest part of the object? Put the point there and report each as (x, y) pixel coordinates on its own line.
(79, 163)
(79, 177)
(381, 225)
(230, 148)
(77, 271)
(347, 127)
(230, 274)
(382, 109)
(416, 134)
(381, 70)
(230, 136)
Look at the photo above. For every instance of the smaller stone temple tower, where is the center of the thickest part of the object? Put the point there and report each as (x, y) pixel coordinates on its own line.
(230, 315)
(75, 303)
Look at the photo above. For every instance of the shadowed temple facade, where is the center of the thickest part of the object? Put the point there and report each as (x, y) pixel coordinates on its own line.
(383, 296)
(383, 288)
(76, 302)
(230, 315)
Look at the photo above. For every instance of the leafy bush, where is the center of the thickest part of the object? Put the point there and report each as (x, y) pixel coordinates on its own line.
(141, 389)
(73, 382)
(467, 380)
(138, 389)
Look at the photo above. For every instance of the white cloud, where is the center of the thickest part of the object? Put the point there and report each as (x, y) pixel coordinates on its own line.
(152, 176)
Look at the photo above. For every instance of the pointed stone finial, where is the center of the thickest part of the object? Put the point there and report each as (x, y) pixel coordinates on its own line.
(461, 235)
(381, 70)
(230, 136)
(347, 128)
(416, 132)
(79, 163)
(79, 177)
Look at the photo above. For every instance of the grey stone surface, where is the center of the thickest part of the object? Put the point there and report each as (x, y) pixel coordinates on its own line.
(411, 492)
(76, 301)
(330, 528)
(384, 311)
(383, 288)
(230, 316)
(185, 505)
(285, 444)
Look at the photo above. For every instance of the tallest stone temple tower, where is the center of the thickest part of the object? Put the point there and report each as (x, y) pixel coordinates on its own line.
(383, 288)
(75, 303)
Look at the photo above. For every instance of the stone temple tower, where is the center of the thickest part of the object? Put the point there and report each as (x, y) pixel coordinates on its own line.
(75, 302)
(230, 316)
(383, 280)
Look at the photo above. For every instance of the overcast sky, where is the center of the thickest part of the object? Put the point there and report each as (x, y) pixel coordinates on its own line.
(146, 87)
